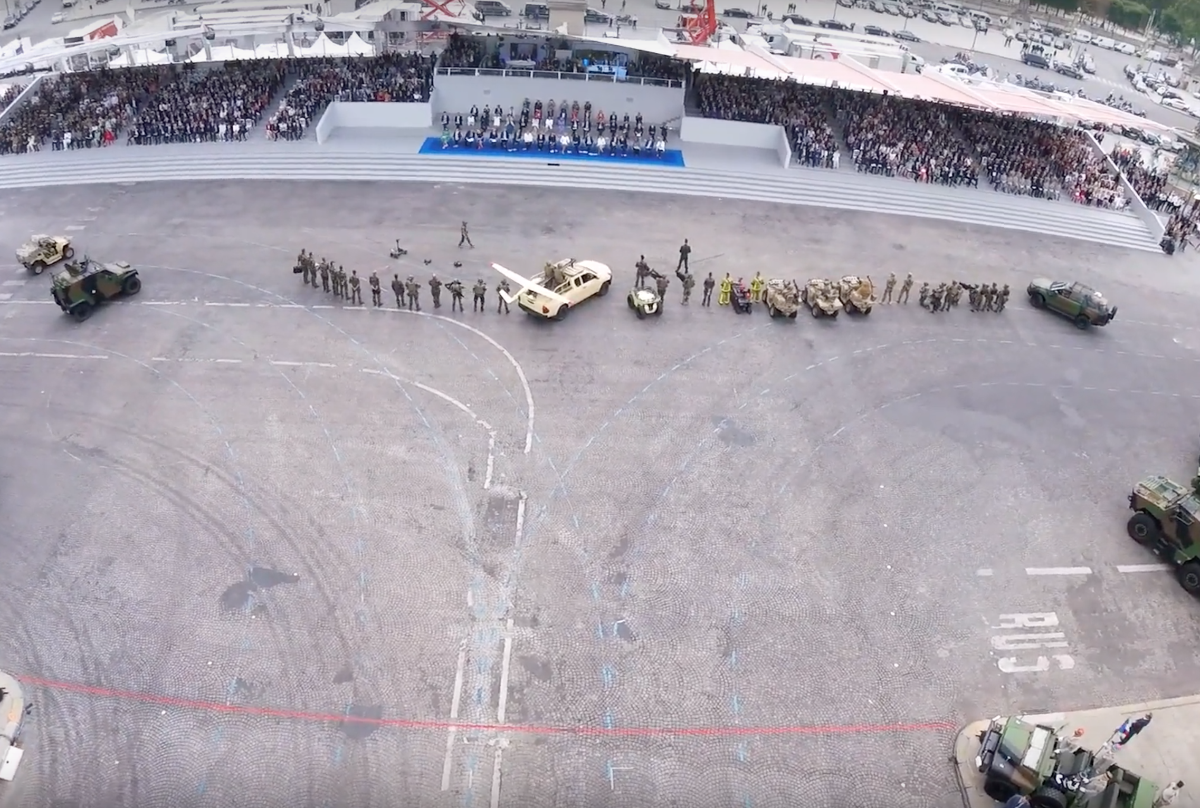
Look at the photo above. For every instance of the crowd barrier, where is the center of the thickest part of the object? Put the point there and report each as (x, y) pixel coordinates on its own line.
(380, 118)
(1136, 203)
(738, 135)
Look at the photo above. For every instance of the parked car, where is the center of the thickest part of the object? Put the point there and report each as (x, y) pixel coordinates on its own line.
(875, 30)
(1068, 69)
(836, 25)
(738, 13)
(905, 36)
(10, 22)
(796, 19)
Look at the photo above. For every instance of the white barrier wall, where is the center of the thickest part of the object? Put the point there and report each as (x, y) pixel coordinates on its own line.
(785, 148)
(381, 115)
(1136, 203)
(23, 98)
(737, 135)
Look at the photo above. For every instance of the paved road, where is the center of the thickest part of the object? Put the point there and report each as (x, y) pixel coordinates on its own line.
(731, 546)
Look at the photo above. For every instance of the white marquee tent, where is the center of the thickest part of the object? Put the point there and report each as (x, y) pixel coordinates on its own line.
(355, 46)
(141, 57)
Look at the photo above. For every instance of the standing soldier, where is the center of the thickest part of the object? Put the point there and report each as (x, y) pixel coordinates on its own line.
(376, 293)
(346, 294)
(643, 272)
(333, 281)
(905, 289)
(923, 298)
(1002, 300)
(414, 293)
(689, 283)
(936, 297)
(662, 282)
(325, 277)
(339, 281)
(973, 297)
(726, 290)
(478, 291)
(502, 289)
(985, 298)
(756, 287)
(709, 283)
(302, 262)
(355, 289)
(993, 297)
(398, 290)
(888, 288)
(952, 295)
(464, 237)
(456, 294)
(435, 291)
(685, 250)
(312, 270)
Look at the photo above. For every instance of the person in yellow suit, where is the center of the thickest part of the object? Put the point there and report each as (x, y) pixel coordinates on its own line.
(756, 287)
(726, 290)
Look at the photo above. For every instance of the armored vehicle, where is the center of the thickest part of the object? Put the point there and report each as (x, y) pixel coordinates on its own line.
(43, 251)
(559, 287)
(645, 301)
(82, 286)
(822, 298)
(857, 294)
(1165, 520)
(1017, 757)
(782, 298)
(1081, 304)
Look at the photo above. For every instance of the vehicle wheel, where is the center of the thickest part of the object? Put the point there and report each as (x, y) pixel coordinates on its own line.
(82, 311)
(1143, 529)
(37, 268)
(69, 253)
(866, 311)
(1038, 300)
(132, 285)
(641, 315)
(815, 313)
(604, 288)
(562, 312)
(629, 300)
(1189, 577)
(1082, 323)
(999, 790)
(792, 316)
(658, 311)
(771, 311)
(1048, 797)
(835, 314)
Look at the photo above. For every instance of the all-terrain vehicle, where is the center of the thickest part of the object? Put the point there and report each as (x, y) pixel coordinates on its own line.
(397, 251)
(82, 286)
(645, 302)
(857, 294)
(739, 298)
(43, 251)
(822, 298)
(782, 298)
(1020, 758)
(1166, 520)
(1081, 304)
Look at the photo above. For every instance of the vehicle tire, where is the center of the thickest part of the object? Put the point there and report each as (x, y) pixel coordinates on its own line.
(814, 311)
(658, 311)
(69, 253)
(1082, 323)
(1038, 300)
(1189, 577)
(866, 311)
(641, 315)
(999, 790)
(82, 311)
(771, 311)
(629, 300)
(1143, 529)
(1048, 797)
(562, 313)
(604, 288)
(792, 316)
(37, 267)
(132, 285)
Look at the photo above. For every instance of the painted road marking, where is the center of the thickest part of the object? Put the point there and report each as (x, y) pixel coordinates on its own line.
(15, 283)
(1017, 636)
(455, 705)
(5, 295)
(1133, 568)
(75, 227)
(1058, 570)
(281, 363)
(24, 354)
(984, 573)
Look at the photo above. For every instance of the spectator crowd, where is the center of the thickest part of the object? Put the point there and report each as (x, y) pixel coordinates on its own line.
(468, 52)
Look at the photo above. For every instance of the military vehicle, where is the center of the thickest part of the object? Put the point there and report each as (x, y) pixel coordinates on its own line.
(739, 298)
(822, 298)
(1166, 520)
(857, 294)
(1081, 304)
(1017, 757)
(644, 302)
(782, 298)
(559, 287)
(82, 286)
(43, 251)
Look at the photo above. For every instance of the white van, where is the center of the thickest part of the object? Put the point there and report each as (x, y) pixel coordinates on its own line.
(1125, 48)
(1082, 35)
(983, 17)
(946, 9)
(1104, 42)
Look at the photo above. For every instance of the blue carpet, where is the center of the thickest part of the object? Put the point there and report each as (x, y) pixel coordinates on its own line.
(672, 158)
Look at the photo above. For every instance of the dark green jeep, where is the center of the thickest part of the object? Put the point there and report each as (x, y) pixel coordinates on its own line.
(1081, 304)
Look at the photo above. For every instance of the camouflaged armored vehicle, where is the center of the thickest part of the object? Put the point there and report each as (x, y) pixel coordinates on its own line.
(1166, 520)
(822, 298)
(1081, 304)
(43, 251)
(857, 294)
(782, 298)
(1017, 757)
(81, 286)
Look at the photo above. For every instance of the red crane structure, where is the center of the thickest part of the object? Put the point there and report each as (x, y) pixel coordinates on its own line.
(699, 23)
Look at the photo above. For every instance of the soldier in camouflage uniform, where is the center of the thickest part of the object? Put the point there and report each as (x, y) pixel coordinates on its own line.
(355, 289)
(455, 288)
(888, 288)
(337, 281)
(689, 283)
(398, 290)
(479, 291)
(325, 277)
(974, 298)
(985, 298)
(993, 297)
(955, 292)
(435, 291)
(502, 289)
(414, 293)
(302, 262)
(905, 289)
(923, 298)
(661, 282)
(312, 271)
(936, 296)
(643, 272)
(376, 292)
(1002, 299)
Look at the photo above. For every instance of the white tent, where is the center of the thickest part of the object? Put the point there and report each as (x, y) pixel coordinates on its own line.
(223, 53)
(355, 46)
(324, 46)
(275, 50)
(144, 56)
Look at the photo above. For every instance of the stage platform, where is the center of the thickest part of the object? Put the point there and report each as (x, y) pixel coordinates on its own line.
(672, 158)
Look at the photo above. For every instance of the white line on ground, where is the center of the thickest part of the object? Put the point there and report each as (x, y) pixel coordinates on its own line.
(1143, 567)
(5, 295)
(505, 664)
(1058, 570)
(281, 363)
(520, 522)
(984, 573)
(496, 777)
(233, 362)
(14, 283)
(75, 227)
(455, 703)
(34, 355)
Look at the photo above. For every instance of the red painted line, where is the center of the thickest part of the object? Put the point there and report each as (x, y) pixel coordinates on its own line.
(422, 724)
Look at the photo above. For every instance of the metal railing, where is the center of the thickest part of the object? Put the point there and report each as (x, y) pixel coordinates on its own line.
(610, 78)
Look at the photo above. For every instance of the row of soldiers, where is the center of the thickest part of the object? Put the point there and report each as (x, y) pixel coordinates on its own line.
(943, 297)
(334, 279)
(758, 283)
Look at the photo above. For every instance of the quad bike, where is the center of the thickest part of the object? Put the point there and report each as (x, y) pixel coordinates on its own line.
(740, 299)
(398, 251)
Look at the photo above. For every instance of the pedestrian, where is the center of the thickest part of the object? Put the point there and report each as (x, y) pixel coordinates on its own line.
(413, 290)
(1130, 730)
(302, 262)
(689, 283)
(709, 283)
(923, 296)
(435, 291)
(345, 282)
(684, 251)
(726, 290)
(464, 236)
(456, 294)
(398, 290)
(325, 277)
(312, 270)
(888, 288)
(905, 289)
(502, 289)
(376, 292)
(1002, 298)
(355, 289)
(1167, 795)
(643, 272)
(479, 291)
(661, 283)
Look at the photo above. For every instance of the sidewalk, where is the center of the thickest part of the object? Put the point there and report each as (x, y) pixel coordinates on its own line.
(1165, 752)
